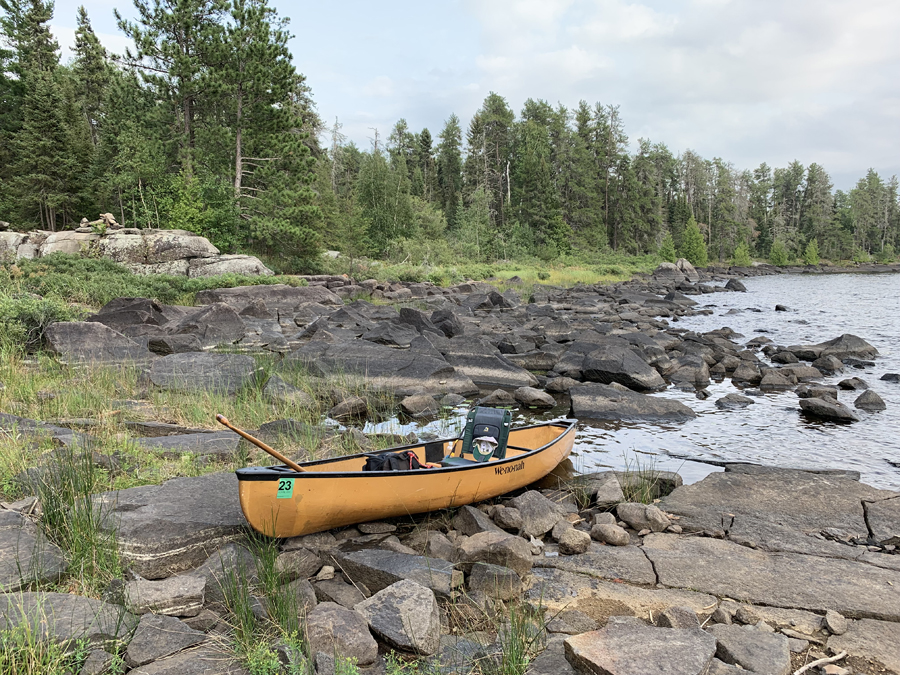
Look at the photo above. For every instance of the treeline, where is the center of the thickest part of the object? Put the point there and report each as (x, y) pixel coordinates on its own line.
(554, 181)
(208, 126)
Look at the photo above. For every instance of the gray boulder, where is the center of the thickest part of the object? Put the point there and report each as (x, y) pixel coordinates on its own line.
(604, 402)
(333, 629)
(496, 548)
(869, 400)
(495, 581)
(733, 402)
(204, 659)
(168, 245)
(377, 569)
(405, 616)
(536, 398)
(610, 534)
(617, 363)
(827, 409)
(539, 514)
(848, 346)
(247, 265)
(221, 445)
(485, 365)
(470, 520)
(278, 390)
(735, 285)
(220, 373)
(668, 273)
(447, 322)
(687, 269)
(212, 325)
(92, 342)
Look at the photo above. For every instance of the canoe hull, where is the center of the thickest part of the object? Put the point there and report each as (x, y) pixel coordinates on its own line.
(281, 503)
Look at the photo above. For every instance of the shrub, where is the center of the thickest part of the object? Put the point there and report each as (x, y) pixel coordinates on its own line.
(778, 255)
(24, 318)
(811, 253)
(886, 254)
(742, 256)
(693, 248)
(667, 249)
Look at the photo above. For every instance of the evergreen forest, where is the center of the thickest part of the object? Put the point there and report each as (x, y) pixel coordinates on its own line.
(208, 125)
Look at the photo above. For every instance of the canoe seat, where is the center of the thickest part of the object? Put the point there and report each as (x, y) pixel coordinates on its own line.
(451, 460)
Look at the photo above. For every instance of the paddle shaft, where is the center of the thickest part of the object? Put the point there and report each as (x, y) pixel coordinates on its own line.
(221, 419)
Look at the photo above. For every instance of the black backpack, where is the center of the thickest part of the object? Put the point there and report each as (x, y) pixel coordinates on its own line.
(405, 460)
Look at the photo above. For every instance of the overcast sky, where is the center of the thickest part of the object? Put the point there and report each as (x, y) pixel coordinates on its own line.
(745, 80)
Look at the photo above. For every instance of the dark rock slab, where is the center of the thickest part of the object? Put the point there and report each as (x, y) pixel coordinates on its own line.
(277, 297)
(776, 509)
(173, 527)
(734, 402)
(552, 661)
(221, 444)
(877, 640)
(405, 616)
(180, 595)
(496, 548)
(629, 649)
(212, 325)
(485, 365)
(221, 373)
(752, 649)
(159, 636)
(338, 591)
(26, 556)
(870, 401)
(61, 617)
(539, 514)
(402, 371)
(619, 363)
(92, 342)
(378, 569)
(495, 581)
(848, 346)
(603, 402)
(720, 567)
(470, 520)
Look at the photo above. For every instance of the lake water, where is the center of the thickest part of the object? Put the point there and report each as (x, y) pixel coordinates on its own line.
(772, 431)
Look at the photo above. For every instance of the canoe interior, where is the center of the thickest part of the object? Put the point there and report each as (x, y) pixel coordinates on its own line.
(336, 492)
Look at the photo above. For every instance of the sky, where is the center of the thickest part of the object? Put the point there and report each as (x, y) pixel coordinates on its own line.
(749, 81)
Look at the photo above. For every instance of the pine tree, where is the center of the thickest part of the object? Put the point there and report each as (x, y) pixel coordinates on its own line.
(490, 143)
(585, 204)
(449, 170)
(779, 254)
(693, 248)
(741, 256)
(92, 73)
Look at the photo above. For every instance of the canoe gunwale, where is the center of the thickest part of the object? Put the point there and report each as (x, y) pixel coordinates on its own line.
(273, 473)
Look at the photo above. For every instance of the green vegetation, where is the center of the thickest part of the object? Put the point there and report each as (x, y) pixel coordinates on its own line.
(811, 253)
(742, 256)
(693, 248)
(24, 652)
(640, 480)
(667, 249)
(778, 255)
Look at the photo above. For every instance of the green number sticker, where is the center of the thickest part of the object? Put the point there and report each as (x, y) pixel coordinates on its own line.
(285, 488)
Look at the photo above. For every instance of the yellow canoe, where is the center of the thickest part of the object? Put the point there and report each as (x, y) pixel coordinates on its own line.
(280, 502)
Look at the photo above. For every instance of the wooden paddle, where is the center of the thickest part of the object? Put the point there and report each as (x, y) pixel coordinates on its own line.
(221, 419)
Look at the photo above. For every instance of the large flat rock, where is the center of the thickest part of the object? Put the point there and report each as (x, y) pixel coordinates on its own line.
(402, 371)
(276, 296)
(556, 590)
(723, 568)
(884, 520)
(777, 509)
(60, 617)
(201, 660)
(26, 556)
(220, 444)
(173, 527)
(378, 569)
(603, 402)
(878, 640)
(625, 563)
(630, 649)
(93, 343)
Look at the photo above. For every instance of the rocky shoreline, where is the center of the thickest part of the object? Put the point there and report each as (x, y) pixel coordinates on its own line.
(750, 570)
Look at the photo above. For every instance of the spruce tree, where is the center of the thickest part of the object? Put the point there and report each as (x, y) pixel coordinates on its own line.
(92, 73)
(811, 253)
(741, 257)
(449, 170)
(779, 254)
(693, 248)
(667, 249)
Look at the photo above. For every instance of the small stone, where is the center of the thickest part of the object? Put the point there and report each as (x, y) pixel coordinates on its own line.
(573, 541)
(604, 518)
(645, 532)
(326, 573)
(377, 528)
(835, 622)
(869, 400)
(508, 518)
(405, 615)
(834, 669)
(495, 581)
(674, 529)
(658, 520)
(678, 617)
(610, 534)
